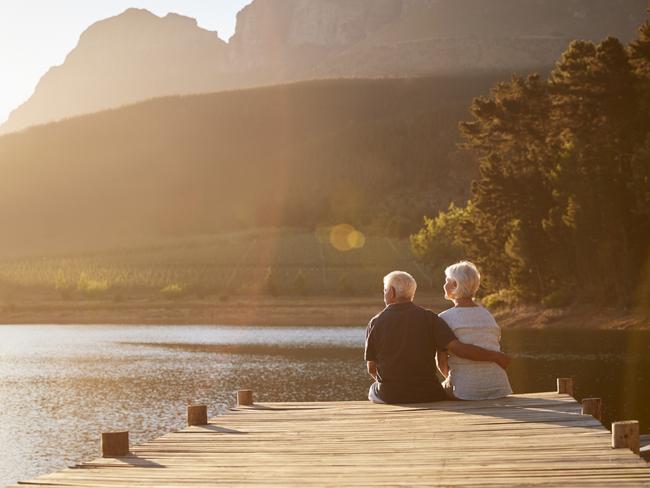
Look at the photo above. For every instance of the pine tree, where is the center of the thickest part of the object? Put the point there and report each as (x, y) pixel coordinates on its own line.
(511, 196)
(593, 88)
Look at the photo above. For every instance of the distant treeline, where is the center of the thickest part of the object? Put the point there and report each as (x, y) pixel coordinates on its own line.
(372, 153)
(561, 208)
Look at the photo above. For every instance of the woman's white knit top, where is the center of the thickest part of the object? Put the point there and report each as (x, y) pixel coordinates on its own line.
(475, 380)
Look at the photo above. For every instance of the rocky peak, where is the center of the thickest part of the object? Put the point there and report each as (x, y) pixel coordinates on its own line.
(123, 59)
(325, 23)
(138, 28)
(293, 35)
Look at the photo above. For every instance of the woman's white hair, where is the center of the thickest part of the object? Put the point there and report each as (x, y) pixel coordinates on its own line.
(467, 279)
(402, 282)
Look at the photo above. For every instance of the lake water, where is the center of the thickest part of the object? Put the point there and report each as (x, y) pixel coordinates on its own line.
(61, 386)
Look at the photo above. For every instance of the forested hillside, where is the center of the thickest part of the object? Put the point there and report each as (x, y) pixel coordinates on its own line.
(372, 153)
(561, 208)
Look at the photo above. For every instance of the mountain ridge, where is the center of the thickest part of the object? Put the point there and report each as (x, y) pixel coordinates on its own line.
(137, 55)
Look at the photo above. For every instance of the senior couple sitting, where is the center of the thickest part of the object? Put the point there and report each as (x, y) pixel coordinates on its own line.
(405, 343)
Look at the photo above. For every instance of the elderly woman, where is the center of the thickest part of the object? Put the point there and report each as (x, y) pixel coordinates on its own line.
(466, 379)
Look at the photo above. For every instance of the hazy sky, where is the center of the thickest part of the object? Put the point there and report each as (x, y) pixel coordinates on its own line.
(37, 34)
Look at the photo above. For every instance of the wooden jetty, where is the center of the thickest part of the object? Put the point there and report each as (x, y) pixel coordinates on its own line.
(538, 439)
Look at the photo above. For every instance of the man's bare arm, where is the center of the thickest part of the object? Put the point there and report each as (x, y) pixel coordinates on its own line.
(372, 369)
(442, 363)
(476, 353)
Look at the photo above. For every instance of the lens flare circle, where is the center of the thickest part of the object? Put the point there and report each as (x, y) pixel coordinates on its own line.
(356, 239)
(344, 237)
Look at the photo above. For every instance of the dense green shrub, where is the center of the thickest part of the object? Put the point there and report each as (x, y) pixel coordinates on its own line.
(503, 299)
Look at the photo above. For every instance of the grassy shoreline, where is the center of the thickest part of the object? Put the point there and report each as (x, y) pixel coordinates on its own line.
(585, 317)
(292, 311)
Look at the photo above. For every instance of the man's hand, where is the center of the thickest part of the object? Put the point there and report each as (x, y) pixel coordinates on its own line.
(476, 353)
(502, 360)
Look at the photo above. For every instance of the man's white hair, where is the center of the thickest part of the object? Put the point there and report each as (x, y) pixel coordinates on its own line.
(467, 279)
(403, 284)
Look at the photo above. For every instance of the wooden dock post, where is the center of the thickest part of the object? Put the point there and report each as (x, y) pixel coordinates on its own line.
(593, 407)
(565, 386)
(244, 397)
(115, 444)
(626, 434)
(197, 415)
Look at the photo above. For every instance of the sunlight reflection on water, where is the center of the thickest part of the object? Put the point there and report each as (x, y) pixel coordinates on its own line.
(63, 385)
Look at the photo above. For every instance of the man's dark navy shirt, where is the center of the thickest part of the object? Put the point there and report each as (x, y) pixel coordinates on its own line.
(403, 340)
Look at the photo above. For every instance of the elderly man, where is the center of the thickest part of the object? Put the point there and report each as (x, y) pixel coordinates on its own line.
(401, 342)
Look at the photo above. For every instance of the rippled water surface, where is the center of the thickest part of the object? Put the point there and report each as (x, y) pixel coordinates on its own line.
(61, 386)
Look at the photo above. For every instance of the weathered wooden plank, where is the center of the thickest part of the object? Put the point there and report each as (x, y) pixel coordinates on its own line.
(538, 439)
